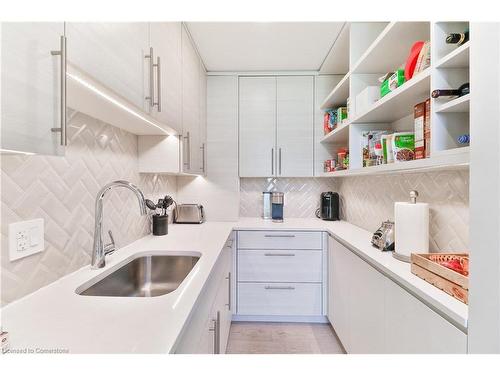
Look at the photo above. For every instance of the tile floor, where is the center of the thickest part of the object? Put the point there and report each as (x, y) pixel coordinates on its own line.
(282, 338)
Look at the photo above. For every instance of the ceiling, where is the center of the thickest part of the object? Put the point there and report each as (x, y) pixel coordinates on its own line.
(263, 46)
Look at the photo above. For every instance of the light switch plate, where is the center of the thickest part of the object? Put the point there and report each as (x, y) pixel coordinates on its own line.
(25, 238)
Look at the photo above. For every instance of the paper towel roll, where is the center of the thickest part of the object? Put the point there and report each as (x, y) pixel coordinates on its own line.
(411, 228)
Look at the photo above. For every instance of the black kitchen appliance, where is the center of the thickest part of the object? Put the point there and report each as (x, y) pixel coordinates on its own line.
(329, 206)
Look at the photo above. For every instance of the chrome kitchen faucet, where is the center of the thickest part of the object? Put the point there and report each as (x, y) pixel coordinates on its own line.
(100, 250)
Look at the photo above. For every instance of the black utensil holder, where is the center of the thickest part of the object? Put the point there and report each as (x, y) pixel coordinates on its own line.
(160, 225)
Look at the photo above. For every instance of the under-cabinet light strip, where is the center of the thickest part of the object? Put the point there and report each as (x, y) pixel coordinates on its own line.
(113, 100)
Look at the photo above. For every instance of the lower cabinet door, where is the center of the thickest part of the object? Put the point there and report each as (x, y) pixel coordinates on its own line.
(280, 299)
(366, 308)
(412, 327)
(280, 265)
(338, 290)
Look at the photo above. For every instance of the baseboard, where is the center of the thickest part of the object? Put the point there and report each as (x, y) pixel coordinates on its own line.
(280, 318)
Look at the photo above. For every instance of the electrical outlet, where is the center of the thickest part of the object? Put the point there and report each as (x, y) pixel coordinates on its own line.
(25, 238)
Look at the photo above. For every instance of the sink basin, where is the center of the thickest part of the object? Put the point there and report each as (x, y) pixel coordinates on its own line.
(142, 276)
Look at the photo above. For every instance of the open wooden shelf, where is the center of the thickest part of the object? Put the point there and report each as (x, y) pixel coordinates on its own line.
(450, 159)
(338, 96)
(398, 103)
(457, 105)
(391, 48)
(458, 58)
(338, 135)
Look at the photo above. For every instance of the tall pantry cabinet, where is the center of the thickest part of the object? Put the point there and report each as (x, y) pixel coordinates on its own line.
(276, 126)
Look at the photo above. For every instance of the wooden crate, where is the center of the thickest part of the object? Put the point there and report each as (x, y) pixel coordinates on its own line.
(426, 267)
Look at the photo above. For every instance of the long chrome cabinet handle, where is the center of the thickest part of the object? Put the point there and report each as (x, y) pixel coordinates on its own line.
(202, 148)
(272, 161)
(188, 150)
(151, 96)
(279, 235)
(228, 304)
(279, 287)
(216, 330)
(278, 255)
(158, 84)
(279, 161)
(62, 54)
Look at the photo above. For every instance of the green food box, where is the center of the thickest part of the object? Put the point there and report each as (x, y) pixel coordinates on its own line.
(395, 80)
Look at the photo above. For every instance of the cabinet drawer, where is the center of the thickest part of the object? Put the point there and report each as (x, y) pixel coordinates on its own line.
(279, 240)
(280, 265)
(279, 299)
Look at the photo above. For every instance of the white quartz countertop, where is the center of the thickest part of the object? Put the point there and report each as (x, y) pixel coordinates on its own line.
(55, 317)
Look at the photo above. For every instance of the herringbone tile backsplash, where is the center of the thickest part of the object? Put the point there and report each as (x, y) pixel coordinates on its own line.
(301, 194)
(366, 201)
(62, 191)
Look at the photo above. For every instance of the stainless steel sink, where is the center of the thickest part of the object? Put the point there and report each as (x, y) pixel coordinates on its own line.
(143, 276)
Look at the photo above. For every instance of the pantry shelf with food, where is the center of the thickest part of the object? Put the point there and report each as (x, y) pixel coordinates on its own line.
(396, 91)
(450, 159)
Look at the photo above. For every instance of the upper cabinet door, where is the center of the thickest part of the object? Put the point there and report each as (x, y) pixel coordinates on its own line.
(166, 41)
(295, 117)
(257, 118)
(31, 77)
(190, 106)
(113, 54)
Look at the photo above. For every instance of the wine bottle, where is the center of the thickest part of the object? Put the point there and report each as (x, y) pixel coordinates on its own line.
(461, 91)
(458, 38)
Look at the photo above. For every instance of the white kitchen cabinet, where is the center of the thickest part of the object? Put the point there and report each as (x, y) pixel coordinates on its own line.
(191, 156)
(366, 308)
(294, 119)
(279, 299)
(339, 275)
(257, 119)
(411, 327)
(113, 53)
(207, 330)
(276, 126)
(31, 78)
(372, 314)
(280, 276)
(166, 41)
(183, 90)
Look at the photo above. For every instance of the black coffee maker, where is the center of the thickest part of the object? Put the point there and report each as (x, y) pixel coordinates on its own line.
(329, 206)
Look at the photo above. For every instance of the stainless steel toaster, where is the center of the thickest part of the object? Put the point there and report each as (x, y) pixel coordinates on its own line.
(189, 214)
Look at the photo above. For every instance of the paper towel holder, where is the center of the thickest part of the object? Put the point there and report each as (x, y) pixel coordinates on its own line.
(396, 255)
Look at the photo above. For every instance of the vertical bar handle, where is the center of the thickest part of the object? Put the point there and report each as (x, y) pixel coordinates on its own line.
(216, 330)
(62, 54)
(272, 161)
(202, 148)
(158, 84)
(279, 160)
(151, 96)
(188, 152)
(228, 304)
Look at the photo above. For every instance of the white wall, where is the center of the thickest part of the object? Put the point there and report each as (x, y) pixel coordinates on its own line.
(484, 286)
(219, 190)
